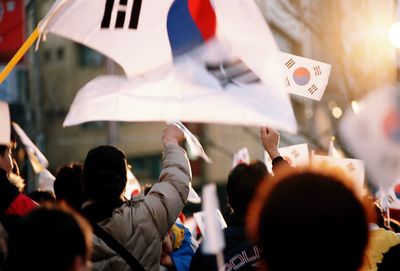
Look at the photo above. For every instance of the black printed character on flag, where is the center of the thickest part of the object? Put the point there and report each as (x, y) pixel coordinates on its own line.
(123, 9)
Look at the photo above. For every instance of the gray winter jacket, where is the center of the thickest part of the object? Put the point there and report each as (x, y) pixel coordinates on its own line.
(142, 223)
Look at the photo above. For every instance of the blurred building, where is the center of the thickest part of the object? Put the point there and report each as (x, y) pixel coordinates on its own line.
(319, 29)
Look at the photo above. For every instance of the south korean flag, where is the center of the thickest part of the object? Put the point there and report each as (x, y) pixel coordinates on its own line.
(305, 77)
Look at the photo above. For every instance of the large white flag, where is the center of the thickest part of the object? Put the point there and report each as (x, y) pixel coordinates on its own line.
(243, 28)
(296, 155)
(133, 33)
(353, 168)
(188, 93)
(305, 77)
(374, 135)
(5, 126)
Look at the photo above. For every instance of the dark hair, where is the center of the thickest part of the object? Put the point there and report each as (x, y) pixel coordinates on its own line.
(42, 197)
(242, 182)
(390, 261)
(68, 185)
(49, 239)
(3, 149)
(310, 221)
(104, 173)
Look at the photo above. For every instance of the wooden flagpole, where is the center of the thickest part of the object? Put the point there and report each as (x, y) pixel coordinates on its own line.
(17, 57)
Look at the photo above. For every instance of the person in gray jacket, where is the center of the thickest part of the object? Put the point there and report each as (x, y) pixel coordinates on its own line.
(140, 224)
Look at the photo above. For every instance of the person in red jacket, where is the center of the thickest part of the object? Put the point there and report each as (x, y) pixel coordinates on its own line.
(13, 204)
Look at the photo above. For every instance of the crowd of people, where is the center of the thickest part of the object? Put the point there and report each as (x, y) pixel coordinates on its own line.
(287, 219)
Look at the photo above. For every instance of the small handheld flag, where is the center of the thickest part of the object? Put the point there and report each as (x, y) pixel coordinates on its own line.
(353, 168)
(295, 155)
(214, 241)
(374, 135)
(241, 157)
(193, 142)
(305, 77)
(37, 159)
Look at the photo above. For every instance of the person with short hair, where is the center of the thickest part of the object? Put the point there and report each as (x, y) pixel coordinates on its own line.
(240, 253)
(310, 220)
(13, 204)
(141, 224)
(50, 238)
(68, 185)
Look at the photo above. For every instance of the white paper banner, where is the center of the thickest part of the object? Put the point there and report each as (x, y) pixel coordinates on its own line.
(353, 168)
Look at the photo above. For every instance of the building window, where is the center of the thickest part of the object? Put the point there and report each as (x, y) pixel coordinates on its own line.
(47, 55)
(89, 57)
(60, 53)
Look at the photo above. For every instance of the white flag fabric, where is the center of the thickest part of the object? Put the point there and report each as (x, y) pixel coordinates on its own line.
(296, 155)
(38, 160)
(199, 218)
(193, 197)
(188, 93)
(106, 26)
(241, 157)
(333, 152)
(305, 77)
(133, 187)
(214, 241)
(353, 168)
(374, 135)
(5, 126)
(243, 28)
(46, 181)
(195, 147)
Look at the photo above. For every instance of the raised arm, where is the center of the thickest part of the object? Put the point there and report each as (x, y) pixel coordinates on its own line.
(270, 140)
(167, 198)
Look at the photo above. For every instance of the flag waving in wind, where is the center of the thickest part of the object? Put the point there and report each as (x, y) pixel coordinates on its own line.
(140, 35)
(132, 33)
(306, 77)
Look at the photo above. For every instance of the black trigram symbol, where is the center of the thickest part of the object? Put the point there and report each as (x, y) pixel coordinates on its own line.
(317, 70)
(295, 153)
(290, 63)
(390, 199)
(121, 14)
(312, 89)
(287, 82)
(232, 73)
(351, 167)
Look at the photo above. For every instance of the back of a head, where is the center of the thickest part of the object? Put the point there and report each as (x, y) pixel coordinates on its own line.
(242, 182)
(68, 185)
(104, 173)
(390, 261)
(309, 221)
(50, 239)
